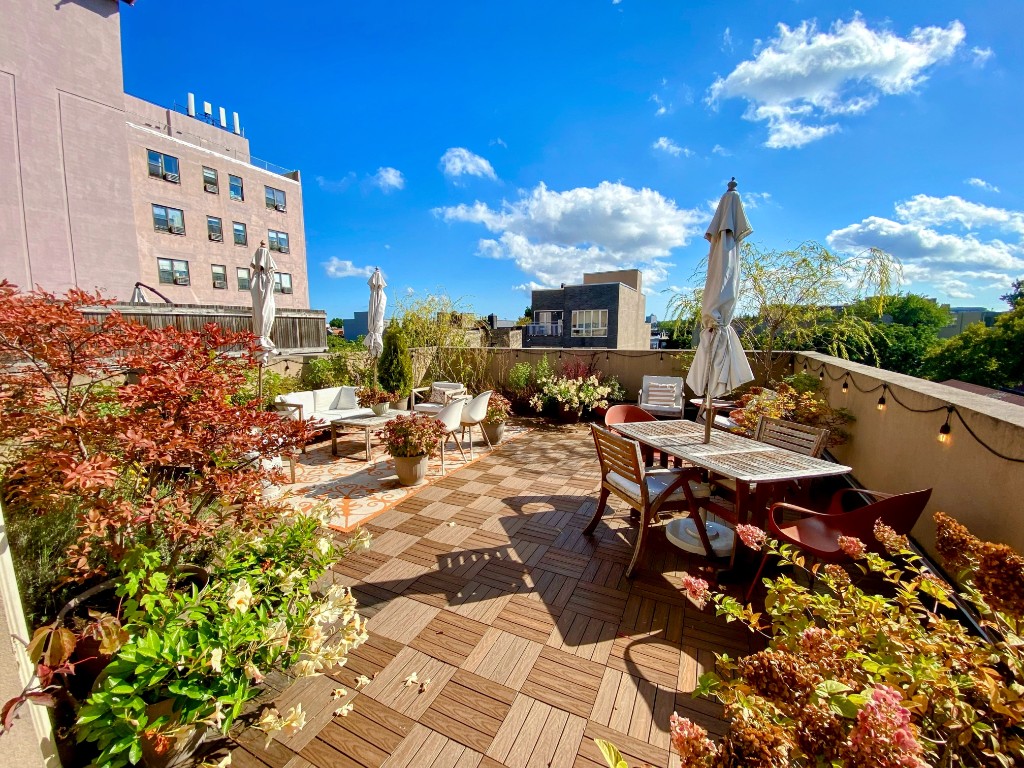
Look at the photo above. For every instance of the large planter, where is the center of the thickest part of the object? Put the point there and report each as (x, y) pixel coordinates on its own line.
(379, 409)
(568, 415)
(411, 470)
(402, 404)
(179, 749)
(494, 432)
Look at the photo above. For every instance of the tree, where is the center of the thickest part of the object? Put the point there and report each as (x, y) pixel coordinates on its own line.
(911, 333)
(528, 312)
(1016, 293)
(991, 357)
(795, 299)
(164, 460)
(395, 367)
(337, 322)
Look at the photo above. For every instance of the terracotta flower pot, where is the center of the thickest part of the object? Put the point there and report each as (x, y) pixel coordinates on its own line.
(411, 470)
(494, 432)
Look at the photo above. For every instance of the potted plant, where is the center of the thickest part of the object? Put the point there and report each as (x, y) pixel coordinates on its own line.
(395, 366)
(374, 398)
(571, 396)
(498, 411)
(410, 440)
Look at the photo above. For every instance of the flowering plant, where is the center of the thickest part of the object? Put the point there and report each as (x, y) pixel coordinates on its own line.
(193, 657)
(572, 395)
(498, 409)
(851, 678)
(414, 435)
(796, 398)
(372, 395)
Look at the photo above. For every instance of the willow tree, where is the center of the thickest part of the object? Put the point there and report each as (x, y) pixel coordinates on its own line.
(799, 299)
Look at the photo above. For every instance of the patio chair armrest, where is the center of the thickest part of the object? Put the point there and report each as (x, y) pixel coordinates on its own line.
(289, 408)
(418, 391)
(835, 505)
(803, 511)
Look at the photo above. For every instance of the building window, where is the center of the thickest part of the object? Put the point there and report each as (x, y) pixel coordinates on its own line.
(243, 278)
(278, 241)
(220, 276)
(241, 238)
(590, 322)
(173, 271)
(215, 229)
(168, 220)
(276, 199)
(235, 188)
(282, 282)
(163, 166)
(210, 183)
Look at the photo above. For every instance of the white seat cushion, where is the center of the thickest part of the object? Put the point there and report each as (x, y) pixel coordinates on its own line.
(430, 407)
(657, 481)
(323, 399)
(661, 394)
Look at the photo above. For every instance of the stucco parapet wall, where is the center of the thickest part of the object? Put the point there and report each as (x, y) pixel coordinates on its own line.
(944, 394)
(219, 155)
(198, 309)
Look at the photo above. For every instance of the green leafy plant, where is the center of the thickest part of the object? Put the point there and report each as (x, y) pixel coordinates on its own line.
(414, 435)
(572, 395)
(394, 369)
(796, 398)
(519, 381)
(852, 677)
(370, 396)
(498, 409)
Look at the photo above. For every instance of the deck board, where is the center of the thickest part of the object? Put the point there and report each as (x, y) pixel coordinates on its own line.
(533, 640)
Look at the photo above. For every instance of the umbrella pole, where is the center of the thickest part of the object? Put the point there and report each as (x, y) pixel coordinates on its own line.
(709, 412)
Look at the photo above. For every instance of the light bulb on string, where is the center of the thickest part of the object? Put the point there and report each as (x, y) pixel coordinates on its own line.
(881, 400)
(821, 374)
(846, 385)
(944, 429)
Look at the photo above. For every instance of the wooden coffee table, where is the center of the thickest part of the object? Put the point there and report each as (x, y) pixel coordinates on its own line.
(369, 425)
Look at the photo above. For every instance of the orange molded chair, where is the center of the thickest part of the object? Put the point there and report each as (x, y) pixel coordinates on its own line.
(817, 533)
(626, 414)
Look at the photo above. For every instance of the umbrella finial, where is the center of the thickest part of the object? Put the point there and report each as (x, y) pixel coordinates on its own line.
(732, 184)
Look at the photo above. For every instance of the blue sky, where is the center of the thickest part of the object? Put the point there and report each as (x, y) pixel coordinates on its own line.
(481, 148)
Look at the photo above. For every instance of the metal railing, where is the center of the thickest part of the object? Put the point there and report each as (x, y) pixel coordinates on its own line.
(544, 329)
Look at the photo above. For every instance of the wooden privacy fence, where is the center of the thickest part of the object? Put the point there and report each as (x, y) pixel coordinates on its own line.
(294, 331)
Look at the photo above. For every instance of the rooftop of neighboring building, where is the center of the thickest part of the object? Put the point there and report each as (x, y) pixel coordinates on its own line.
(1016, 398)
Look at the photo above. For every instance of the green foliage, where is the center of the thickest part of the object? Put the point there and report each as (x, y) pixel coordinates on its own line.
(339, 344)
(910, 336)
(274, 384)
(394, 369)
(337, 322)
(798, 398)
(1016, 293)
(194, 655)
(336, 370)
(435, 320)
(992, 357)
(519, 379)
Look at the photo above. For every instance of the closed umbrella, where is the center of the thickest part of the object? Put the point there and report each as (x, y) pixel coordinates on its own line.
(720, 364)
(374, 340)
(261, 286)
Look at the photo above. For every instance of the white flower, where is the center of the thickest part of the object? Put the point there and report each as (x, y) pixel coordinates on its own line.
(308, 668)
(361, 681)
(293, 721)
(343, 710)
(216, 655)
(253, 673)
(277, 634)
(324, 545)
(215, 718)
(412, 679)
(241, 598)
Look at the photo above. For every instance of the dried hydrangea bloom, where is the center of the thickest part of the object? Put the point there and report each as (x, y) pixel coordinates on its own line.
(957, 546)
(752, 536)
(1000, 579)
(691, 742)
(837, 574)
(882, 734)
(820, 732)
(754, 741)
(893, 542)
(778, 676)
(852, 547)
(696, 589)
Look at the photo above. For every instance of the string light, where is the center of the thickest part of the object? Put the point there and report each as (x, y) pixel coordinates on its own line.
(821, 374)
(846, 384)
(944, 429)
(881, 400)
(805, 366)
(661, 357)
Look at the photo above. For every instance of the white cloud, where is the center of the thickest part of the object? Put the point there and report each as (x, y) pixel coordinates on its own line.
(981, 56)
(665, 144)
(459, 161)
(946, 244)
(981, 184)
(388, 179)
(718, 149)
(802, 79)
(662, 109)
(499, 141)
(336, 267)
(727, 40)
(753, 200)
(409, 290)
(336, 185)
(557, 236)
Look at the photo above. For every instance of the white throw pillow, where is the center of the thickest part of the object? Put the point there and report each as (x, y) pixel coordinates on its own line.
(661, 394)
(346, 398)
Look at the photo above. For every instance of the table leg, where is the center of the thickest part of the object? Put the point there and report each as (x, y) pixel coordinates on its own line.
(334, 440)
(368, 446)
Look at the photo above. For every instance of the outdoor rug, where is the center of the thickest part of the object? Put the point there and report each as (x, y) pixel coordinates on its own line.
(358, 490)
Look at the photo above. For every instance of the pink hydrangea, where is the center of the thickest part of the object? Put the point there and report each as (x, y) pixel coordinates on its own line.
(882, 735)
(696, 589)
(751, 535)
(690, 741)
(852, 546)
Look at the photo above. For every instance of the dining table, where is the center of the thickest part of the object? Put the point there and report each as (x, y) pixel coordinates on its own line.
(759, 469)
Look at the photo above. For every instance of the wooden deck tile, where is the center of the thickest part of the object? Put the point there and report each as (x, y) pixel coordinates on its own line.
(527, 618)
(564, 681)
(503, 657)
(390, 687)
(449, 637)
(634, 750)
(401, 619)
(470, 710)
(427, 554)
(417, 525)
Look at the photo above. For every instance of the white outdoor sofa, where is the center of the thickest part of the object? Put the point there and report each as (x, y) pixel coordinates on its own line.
(321, 406)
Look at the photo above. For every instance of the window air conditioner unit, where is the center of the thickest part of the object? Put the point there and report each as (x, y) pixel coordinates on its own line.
(220, 284)
(178, 280)
(216, 236)
(280, 207)
(172, 177)
(283, 249)
(211, 188)
(286, 289)
(178, 230)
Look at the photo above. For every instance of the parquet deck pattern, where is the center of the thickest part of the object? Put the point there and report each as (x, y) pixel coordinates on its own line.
(532, 640)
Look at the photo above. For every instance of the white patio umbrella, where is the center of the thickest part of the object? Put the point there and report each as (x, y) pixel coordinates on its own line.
(261, 286)
(374, 340)
(720, 364)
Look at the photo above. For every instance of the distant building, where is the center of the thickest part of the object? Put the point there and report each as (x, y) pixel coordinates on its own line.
(101, 190)
(1005, 395)
(964, 316)
(606, 311)
(356, 326)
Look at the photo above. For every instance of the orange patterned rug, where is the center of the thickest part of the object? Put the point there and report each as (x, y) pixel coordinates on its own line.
(358, 490)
